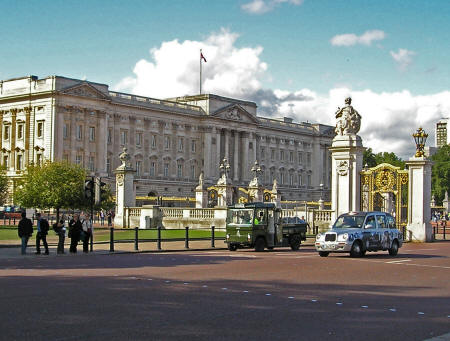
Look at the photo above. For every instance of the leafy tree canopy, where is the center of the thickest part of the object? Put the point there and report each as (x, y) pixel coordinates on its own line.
(52, 185)
(3, 186)
(440, 178)
(371, 160)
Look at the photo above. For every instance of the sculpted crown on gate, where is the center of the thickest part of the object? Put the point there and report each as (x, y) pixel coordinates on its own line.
(348, 121)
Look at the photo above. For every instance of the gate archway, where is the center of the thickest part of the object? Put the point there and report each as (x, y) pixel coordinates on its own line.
(385, 188)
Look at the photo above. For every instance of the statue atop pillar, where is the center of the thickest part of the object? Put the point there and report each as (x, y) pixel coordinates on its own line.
(125, 159)
(348, 120)
(255, 189)
(224, 188)
(201, 194)
(225, 170)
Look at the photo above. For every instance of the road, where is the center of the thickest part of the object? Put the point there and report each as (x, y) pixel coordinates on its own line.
(222, 295)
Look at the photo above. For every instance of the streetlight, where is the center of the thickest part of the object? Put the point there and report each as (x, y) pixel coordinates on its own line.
(420, 138)
(321, 191)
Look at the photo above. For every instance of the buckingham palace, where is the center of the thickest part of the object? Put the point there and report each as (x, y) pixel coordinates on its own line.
(170, 141)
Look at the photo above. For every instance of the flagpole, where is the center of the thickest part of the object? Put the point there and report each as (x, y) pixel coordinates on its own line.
(200, 71)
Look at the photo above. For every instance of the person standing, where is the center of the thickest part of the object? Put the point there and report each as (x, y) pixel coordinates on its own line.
(87, 230)
(42, 230)
(102, 217)
(25, 230)
(75, 229)
(109, 216)
(61, 232)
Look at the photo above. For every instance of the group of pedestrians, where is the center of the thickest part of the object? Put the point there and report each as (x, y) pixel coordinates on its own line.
(79, 229)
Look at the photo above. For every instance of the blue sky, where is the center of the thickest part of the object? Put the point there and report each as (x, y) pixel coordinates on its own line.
(282, 49)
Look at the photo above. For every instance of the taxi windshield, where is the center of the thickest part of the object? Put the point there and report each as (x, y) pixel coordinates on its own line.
(349, 221)
(240, 216)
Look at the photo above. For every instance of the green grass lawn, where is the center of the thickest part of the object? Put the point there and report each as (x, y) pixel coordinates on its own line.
(102, 235)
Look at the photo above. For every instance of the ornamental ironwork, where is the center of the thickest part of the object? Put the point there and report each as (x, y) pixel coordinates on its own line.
(385, 188)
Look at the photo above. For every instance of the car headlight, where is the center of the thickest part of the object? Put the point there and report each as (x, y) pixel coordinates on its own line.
(228, 236)
(318, 236)
(343, 236)
(249, 237)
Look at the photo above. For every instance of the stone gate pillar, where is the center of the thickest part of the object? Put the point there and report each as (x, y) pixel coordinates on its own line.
(125, 190)
(346, 154)
(419, 195)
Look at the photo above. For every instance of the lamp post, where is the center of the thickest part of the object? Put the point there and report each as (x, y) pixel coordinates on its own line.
(420, 138)
(321, 191)
(321, 203)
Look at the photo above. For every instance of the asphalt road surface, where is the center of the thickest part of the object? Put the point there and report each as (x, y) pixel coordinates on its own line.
(222, 295)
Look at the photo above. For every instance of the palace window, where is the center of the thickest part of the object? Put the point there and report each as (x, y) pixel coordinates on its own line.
(91, 163)
(108, 165)
(291, 156)
(262, 153)
(79, 132)
(300, 158)
(250, 145)
(291, 179)
(138, 168)
(19, 162)
(40, 129)
(308, 159)
(20, 131)
(109, 137)
(192, 171)
(309, 180)
(91, 134)
(152, 168)
(272, 154)
(153, 141)
(282, 177)
(166, 169)
(166, 142)
(39, 159)
(5, 161)
(123, 137)
(6, 132)
(139, 139)
(65, 130)
(213, 140)
(180, 170)
(79, 159)
(180, 144)
(193, 146)
(282, 155)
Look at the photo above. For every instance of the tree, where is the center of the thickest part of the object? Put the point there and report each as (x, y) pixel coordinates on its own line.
(53, 185)
(440, 178)
(371, 160)
(3, 186)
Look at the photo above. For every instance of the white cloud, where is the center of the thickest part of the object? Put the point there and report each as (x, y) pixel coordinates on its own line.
(403, 58)
(388, 118)
(174, 68)
(264, 6)
(351, 39)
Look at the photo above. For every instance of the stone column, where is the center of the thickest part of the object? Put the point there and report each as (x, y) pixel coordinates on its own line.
(236, 156)
(217, 159)
(245, 164)
(227, 144)
(347, 153)
(419, 196)
(201, 194)
(125, 190)
(12, 138)
(207, 154)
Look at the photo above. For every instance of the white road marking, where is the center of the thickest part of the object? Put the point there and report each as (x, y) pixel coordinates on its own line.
(204, 286)
(245, 291)
(224, 288)
(339, 303)
(420, 250)
(185, 283)
(420, 313)
(268, 294)
(364, 306)
(313, 300)
(393, 309)
(291, 297)
(398, 261)
(149, 279)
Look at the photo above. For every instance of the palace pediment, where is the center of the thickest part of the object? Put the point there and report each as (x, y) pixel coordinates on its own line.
(84, 90)
(235, 112)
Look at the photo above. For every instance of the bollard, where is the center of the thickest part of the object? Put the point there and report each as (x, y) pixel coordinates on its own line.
(136, 238)
(445, 225)
(159, 238)
(111, 239)
(186, 239)
(212, 236)
(91, 246)
(9, 223)
(14, 220)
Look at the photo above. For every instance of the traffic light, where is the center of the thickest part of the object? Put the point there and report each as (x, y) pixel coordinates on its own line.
(88, 189)
(100, 190)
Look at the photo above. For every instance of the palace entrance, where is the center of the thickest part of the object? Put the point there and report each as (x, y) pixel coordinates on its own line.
(385, 188)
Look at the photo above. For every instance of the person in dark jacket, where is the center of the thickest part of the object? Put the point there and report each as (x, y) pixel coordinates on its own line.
(60, 230)
(75, 229)
(25, 230)
(42, 230)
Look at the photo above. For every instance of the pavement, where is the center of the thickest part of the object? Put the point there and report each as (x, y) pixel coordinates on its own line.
(217, 294)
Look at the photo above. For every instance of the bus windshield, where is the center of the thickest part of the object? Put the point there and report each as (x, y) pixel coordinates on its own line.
(240, 216)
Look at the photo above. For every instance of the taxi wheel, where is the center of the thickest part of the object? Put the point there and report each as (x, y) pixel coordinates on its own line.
(260, 244)
(394, 249)
(356, 250)
(323, 253)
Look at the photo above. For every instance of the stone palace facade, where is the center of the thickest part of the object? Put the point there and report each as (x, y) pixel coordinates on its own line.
(170, 141)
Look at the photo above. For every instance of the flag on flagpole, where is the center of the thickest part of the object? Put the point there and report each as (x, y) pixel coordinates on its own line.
(202, 56)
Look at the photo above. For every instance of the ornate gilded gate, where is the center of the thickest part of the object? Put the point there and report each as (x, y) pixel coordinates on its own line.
(385, 188)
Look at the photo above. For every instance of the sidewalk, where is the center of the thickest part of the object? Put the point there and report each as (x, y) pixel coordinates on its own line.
(13, 250)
